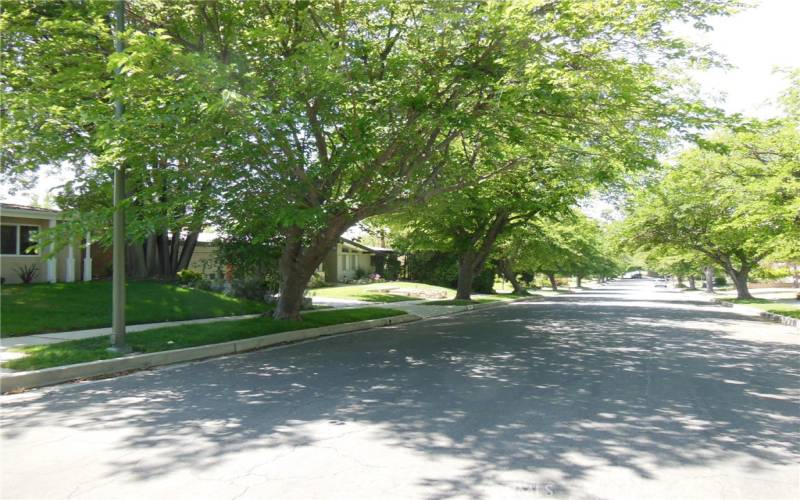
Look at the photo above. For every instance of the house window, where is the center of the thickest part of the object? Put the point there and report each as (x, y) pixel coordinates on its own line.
(15, 239)
(353, 262)
(344, 262)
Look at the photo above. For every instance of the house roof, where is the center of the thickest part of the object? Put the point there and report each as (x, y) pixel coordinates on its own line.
(366, 247)
(12, 209)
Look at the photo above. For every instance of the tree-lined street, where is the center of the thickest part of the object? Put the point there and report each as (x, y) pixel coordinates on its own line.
(624, 391)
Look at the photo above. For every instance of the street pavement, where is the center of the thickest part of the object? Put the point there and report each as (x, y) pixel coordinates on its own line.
(621, 392)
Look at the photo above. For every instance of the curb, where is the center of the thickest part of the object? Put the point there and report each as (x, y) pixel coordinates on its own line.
(775, 318)
(11, 382)
(485, 305)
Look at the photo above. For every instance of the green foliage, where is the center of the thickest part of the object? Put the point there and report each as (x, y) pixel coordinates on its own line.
(317, 280)
(441, 269)
(253, 288)
(27, 273)
(188, 276)
(569, 245)
(391, 269)
(254, 262)
(734, 208)
(289, 122)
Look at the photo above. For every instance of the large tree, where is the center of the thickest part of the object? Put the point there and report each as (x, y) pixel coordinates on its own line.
(307, 117)
(736, 204)
(568, 244)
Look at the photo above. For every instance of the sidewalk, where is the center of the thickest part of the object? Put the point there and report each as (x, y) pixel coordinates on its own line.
(55, 337)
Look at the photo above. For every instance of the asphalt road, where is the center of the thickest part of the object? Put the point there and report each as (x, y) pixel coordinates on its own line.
(625, 392)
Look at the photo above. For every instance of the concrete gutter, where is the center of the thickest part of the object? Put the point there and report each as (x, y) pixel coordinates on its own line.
(776, 318)
(17, 381)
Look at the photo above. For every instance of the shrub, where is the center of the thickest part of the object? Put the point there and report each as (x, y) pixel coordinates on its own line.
(720, 281)
(441, 269)
(251, 288)
(27, 273)
(391, 269)
(204, 285)
(360, 274)
(188, 276)
(317, 280)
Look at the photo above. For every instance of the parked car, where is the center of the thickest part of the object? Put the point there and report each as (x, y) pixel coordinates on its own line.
(660, 282)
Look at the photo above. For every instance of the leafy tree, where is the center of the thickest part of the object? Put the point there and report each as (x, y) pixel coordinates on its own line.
(736, 205)
(58, 108)
(570, 245)
(312, 116)
(687, 264)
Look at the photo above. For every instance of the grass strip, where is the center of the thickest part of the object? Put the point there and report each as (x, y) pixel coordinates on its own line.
(179, 337)
(769, 306)
(60, 307)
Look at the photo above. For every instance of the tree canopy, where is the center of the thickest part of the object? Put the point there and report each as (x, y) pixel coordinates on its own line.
(295, 120)
(735, 205)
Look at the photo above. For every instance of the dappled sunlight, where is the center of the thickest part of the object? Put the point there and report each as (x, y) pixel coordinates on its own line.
(564, 391)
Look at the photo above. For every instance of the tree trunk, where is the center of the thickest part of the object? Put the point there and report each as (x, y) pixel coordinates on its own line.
(466, 273)
(471, 262)
(680, 281)
(578, 280)
(174, 249)
(187, 250)
(709, 279)
(692, 283)
(740, 280)
(511, 277)
(553, 282)
(297, 264)
(163, 254)
(137, 264)
(151, 256)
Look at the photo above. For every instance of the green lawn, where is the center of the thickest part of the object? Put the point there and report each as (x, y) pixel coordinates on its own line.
(178, 337)
(770, 306)
(45, 307)
(376, 292)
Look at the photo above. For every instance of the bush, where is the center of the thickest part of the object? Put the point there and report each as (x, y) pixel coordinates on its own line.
(188, 276)
(720, 281)
(252, 288)
(317, 280)
(391, 269)
(483, 282)
(27, 273)
(204, 285)
(360, 274)
(441, 269)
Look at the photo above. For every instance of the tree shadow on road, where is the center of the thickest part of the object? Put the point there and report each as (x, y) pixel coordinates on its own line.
(551, 390)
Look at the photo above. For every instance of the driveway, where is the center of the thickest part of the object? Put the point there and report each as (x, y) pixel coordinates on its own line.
(622, 392)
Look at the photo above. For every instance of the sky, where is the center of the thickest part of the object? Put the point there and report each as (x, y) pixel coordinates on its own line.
(755, 41)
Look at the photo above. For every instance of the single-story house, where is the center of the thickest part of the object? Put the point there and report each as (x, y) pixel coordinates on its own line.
(19, 225)
(81, 260)
(345, 260)
(340, 265)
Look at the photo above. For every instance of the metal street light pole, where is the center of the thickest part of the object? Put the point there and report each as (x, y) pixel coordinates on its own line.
(118, 342)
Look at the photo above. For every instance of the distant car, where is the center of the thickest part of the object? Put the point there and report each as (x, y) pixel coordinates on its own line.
(660, 282)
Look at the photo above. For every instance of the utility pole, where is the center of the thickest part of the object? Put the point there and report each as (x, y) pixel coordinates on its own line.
(118, 342)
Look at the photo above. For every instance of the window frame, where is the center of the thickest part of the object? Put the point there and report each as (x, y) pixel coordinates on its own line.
(18, 242)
